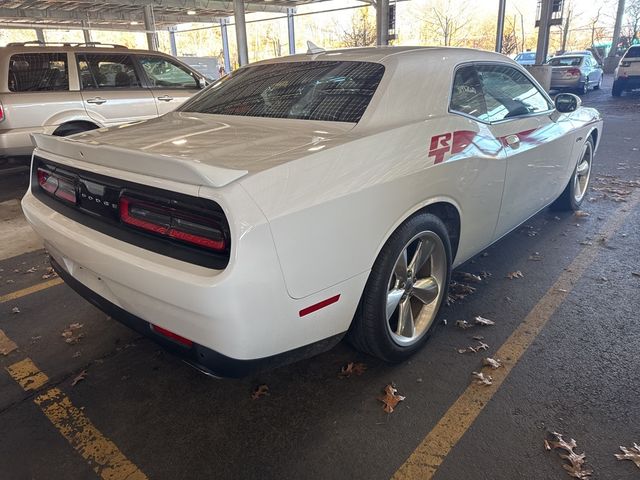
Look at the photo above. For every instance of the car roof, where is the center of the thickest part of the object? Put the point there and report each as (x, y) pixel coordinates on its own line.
(383, 54)
(32, 48)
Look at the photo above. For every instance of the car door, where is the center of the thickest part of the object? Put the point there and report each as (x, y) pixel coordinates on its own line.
(170, 82)
(112, 90)
(536, 146)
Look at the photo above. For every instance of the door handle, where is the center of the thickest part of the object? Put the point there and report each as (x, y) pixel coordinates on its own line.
(165, 98)
(512, 140)
(97, 100)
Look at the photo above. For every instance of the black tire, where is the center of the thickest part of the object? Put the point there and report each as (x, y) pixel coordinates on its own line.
(567, 200)
(72, 128)
(616, 91)
(599, 84)
(584, 89)
(370, 330)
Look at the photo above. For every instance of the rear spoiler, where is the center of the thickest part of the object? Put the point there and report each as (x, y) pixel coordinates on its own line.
(189, 171)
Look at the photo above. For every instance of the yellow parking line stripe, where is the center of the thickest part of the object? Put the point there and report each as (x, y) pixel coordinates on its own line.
(6, 344)
(101, 453)
(29, 290)
(429, 455)
(27, 374)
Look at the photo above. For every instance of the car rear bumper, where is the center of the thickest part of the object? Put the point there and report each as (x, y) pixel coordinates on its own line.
(16, 142)
(561, 83)
(630, 82)
(233, 316)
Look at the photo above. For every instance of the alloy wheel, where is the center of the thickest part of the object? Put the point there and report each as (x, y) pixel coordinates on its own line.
(583, 173)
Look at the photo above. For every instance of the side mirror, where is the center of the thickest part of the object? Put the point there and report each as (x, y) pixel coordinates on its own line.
(202, 82)
(567, 102)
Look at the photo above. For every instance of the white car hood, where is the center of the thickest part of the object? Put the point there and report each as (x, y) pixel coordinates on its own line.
(195, 148)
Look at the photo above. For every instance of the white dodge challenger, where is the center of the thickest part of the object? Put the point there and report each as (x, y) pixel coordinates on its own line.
(303, 198)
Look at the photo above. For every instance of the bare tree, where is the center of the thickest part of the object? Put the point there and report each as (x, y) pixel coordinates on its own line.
(510, 37)
(446, 21)
(361, 32)
(633, 17)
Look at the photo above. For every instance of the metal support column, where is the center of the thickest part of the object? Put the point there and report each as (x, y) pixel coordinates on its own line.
(86, 32)
(172, 41)
(500, 26)
(150, 27)
(241, 32)
(292, 31)
(39, 34)
(542, 48)
(382, 22)
(225, 44)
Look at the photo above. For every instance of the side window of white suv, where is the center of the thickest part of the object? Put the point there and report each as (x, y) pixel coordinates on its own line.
(163, 73)
(99, 70)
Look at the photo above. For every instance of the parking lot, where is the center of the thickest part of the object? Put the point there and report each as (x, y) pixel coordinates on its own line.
(81, 394)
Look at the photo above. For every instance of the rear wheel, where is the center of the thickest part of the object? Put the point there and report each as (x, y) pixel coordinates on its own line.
(599, 85)
(584, 89)
(405, 290)
(573, 195)
(72, 128)
(616, 91)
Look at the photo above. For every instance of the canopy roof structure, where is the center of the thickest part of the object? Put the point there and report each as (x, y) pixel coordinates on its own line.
(109, 14)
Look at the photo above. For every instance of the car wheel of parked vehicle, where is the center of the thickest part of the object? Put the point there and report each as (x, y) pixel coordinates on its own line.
(407, 285)
(616, 91)
(72, 128)
(584, 88)
(573, 195)
(597, 87)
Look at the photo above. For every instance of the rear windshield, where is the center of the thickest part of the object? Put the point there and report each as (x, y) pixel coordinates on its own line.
(634, 52)
(331, 91)
(38, 72)
(565, 61)
(526, 56)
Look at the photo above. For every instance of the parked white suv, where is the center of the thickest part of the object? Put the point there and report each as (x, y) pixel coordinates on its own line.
(66, 89)
(627, 75)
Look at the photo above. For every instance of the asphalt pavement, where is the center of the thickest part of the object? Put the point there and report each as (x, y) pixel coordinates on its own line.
(113, 405)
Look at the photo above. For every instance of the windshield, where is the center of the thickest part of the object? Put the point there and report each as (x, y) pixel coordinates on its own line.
(526, 56)
(331, 91)
(565, 61)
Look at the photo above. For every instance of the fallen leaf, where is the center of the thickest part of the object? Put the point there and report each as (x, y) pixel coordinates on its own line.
(632, 454)
(259, 392)
(468, 277)
(69, 334)
(635, 274)
(31, 270)
(575, 467)
(581, 214)
(478, 337)
(6, 344)
(76, 354)
(492, 362)
(483, 321)
(586, 243)
(546, 445)
(78, 378)
(482, 379)
(352, 368)
(10, 281)
(535, 257)
(49, 273)
(390, 398)
(516, 274)
(463, 324)
(474, 349)
(15, 310)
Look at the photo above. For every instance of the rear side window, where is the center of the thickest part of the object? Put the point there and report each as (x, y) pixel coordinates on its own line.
(467, 96)
(634, 52)
(324, 90)
(98, 70)
(163, 73)
(38, 72)
(508, 93)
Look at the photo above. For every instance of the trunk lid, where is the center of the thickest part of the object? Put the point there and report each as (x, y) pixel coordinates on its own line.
(195, 148)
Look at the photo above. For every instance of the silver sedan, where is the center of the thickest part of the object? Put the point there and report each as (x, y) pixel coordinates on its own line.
(575, 72)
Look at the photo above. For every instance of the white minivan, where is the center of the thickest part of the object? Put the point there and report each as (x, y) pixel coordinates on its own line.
(62, 89)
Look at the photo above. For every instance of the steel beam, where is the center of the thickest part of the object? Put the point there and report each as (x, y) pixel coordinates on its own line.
(39, 34)
(543, 31)
(86, 31)
(225, 44)
(172, 41)
(292, 31)
(382, 22)
(150, 27)
(241, 32)
(500, 25)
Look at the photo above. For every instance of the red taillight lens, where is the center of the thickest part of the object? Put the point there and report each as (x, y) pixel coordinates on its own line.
(172, 336)
(180, 225)
(1, 113)
(57, 185)
(574, 71)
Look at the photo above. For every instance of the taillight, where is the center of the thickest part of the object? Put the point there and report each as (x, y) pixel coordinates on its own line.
(172, 336)
(574, 72)
(176, 223)
(57, 185)
(1, 112)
